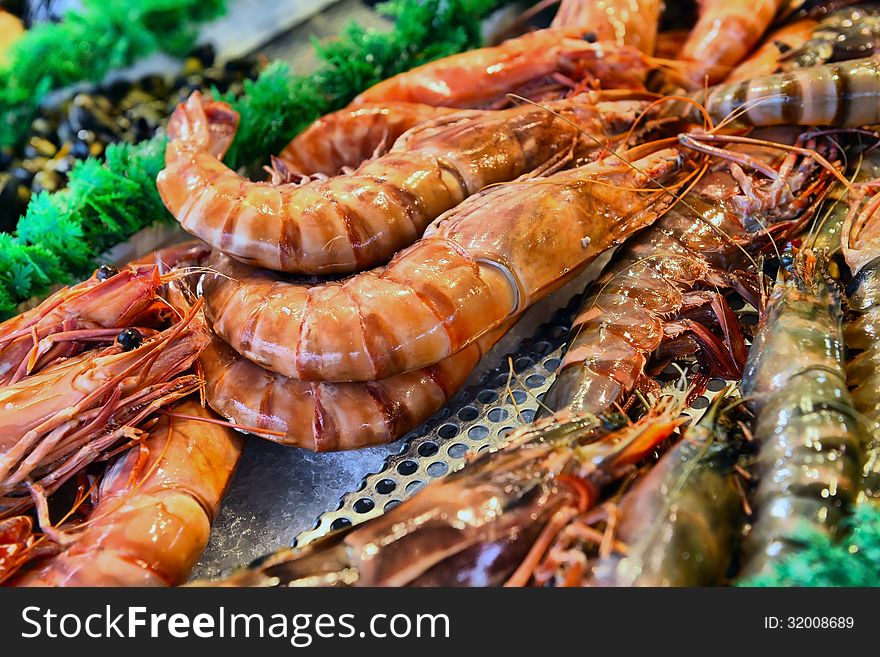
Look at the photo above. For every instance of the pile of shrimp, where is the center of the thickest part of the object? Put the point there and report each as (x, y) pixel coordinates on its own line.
(744, 170)
(110, 469)
(351, 293)
(717, 152)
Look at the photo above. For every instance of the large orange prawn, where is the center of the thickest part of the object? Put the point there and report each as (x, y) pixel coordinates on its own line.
(479, 265)
(153, 517)
(484, 77)
(77, 409)
(351, 222)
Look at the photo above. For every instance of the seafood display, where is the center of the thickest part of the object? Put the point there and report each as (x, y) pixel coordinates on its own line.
(545, 475)
(94, 374)
(712, 170)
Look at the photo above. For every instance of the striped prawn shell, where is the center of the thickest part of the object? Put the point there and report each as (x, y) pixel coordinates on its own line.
(840, 95)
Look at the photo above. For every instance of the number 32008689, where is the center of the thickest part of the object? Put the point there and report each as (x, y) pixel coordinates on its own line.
(809, 622)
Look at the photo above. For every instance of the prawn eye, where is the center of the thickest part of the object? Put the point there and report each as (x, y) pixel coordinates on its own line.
(782, 47)
(130, 339)
(106, 271)
(590, 37)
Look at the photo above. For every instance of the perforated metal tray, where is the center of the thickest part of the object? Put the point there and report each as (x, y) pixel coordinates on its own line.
(479, 417)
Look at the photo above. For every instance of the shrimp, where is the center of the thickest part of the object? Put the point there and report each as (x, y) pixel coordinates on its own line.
(841, 95)
(861, 248)
(323, 416)
(92, 310)
(476, 267)
(485, 76)
(649, 295)
(355, 221)
(845, 34)
(622, 22)
(481, 526)
(345, 139)
(808, 433)
(57, 421)
(682, 521)
(333, 416)
(772, 56)
(724, 34)
(156, 505)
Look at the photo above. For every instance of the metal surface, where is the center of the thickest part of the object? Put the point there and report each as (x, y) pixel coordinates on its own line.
(478, 418)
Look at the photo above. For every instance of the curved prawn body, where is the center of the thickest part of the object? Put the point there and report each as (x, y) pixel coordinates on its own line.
(477, 267)
(93, 310)
(680, 523)
(343, 140)
(840, 95)
(724, 34)
(323, 416)
(57, 421)
(808, 433)
(621, 22)
(332, 416)
(156, 504)
(662, 290)
(481, 526)
(485, 76)
(351, 222)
